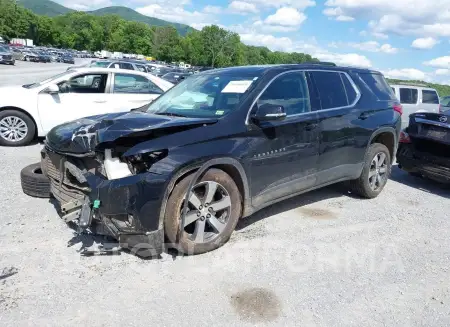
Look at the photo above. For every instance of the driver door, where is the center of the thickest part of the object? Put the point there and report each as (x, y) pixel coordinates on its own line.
(81, 96)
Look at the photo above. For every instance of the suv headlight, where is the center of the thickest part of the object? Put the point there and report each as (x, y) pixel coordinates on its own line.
(141, 162)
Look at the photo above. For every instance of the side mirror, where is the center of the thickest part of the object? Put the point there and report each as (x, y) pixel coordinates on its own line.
(270, 112)
(52, 89)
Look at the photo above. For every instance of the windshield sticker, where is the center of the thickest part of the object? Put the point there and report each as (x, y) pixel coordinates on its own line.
(219, 112)
(237, 87)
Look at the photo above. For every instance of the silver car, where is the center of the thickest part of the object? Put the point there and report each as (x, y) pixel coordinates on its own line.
(416, 98)
(6, 56)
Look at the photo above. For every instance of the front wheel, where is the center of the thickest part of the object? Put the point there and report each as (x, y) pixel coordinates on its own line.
(214, 209)
(16, 128)
(376, 172)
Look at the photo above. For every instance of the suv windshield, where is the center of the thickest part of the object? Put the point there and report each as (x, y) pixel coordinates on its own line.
(48, 80)
(205, 95)
(3, 49)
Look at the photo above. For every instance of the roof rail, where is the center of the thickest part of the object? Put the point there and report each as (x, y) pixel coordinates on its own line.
(324, 63)
(411, 84)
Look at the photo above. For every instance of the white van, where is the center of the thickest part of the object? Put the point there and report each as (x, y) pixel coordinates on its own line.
(416, 98)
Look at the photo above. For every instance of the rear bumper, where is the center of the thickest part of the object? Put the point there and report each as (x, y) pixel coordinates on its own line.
(7, 61)
(436, 168)
(127, 209)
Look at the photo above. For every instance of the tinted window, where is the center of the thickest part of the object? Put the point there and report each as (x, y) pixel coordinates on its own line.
(141, 68)
(88, 83)
(125, 83)
(445, 101)
(349, 89)
(408, 96)
(290, 91)
(331, 89)
(378, 85)
(429, 96)
(124, 65)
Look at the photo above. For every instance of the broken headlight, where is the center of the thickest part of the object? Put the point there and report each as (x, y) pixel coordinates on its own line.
(141, 162)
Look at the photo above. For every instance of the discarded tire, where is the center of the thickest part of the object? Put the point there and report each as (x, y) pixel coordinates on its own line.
(34, 182)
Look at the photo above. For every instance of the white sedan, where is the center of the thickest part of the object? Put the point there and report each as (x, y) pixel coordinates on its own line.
(33, 110)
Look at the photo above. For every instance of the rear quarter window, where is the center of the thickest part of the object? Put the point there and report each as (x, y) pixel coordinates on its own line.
(377, 83)
(430, 97)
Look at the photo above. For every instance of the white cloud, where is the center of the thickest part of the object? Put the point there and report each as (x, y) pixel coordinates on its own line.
(178, 15)
(407, 73)
(266, 28)
(424, 43)
(242, 7)
(310, 47)
(212, 9)
(338, 14)
(369, 46)
(286, 16)
(404, 17)
(441, 62)
(442, 72)
(86, 4)
(348, 59)
(299, 4)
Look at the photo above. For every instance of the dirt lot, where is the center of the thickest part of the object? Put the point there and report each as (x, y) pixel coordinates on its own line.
(321, 259)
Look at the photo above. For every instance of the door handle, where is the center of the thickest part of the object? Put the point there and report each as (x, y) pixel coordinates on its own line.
(363, 116)
(310, 127)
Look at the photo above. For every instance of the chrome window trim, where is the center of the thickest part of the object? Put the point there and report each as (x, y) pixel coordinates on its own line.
(358, 92)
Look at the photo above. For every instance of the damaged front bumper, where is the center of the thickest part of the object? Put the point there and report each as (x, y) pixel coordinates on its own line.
(413, 161)
(128, 209)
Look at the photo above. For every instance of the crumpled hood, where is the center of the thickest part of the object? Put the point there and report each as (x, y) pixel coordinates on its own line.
(83, 135)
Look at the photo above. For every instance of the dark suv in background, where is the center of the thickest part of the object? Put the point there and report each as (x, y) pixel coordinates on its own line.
(220, 146)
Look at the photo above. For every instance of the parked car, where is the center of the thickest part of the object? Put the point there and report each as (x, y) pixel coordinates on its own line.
(67, 59)
(17, 54)
(415, 98)
(6, 56)
(30, 56)
(258, 134)
(425, 146)
(175, 77)
(43, 57)
(73, 94)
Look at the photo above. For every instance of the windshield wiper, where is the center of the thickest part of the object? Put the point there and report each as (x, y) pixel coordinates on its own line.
(170, 114)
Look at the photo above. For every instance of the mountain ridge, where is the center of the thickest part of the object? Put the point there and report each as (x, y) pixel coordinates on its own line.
(51, 9)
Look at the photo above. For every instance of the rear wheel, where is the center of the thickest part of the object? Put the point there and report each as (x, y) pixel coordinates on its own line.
(376, 172)
(16, 128)
(214, 209)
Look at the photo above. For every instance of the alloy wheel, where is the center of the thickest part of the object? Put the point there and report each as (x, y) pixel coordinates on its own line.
(378, 172)
(13, 129)
(209, 209)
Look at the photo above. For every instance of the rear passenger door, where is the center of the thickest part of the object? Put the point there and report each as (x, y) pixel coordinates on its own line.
(409, 99)
(337, 117)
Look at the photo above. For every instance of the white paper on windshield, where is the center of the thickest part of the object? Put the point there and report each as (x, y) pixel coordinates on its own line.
(237, 87)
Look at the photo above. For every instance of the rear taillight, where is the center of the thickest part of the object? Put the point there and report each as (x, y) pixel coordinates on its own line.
(398, 108)
(404, 137)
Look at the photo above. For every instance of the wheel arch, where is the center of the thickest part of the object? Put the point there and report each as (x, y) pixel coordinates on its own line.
(388, 137)
(229, 165)
(36, 133)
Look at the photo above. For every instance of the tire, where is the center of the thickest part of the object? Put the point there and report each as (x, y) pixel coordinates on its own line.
(30, 128)
(34, 182)
(174, 207)
(362, 185)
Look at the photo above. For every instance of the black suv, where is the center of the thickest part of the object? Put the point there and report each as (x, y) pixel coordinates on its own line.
(220, 146)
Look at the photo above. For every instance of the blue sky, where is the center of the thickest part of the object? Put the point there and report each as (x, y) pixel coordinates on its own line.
(403, 38)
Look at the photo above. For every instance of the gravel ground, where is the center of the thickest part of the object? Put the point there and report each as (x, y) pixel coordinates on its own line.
(321, 259)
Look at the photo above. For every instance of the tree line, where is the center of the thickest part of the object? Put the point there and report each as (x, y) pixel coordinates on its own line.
(212, 46)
